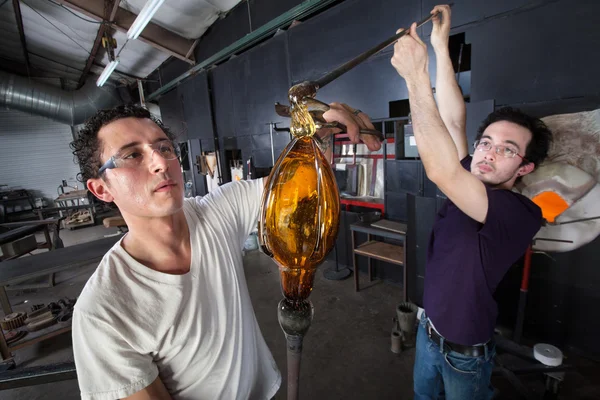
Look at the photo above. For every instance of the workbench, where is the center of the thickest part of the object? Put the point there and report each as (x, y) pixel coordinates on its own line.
(18, 270)
(379, 250)
(18, 230)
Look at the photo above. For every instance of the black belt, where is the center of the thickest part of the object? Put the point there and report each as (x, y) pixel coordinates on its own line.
(470, 351)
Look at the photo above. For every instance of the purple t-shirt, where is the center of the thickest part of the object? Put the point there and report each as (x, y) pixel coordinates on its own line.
(466, 261)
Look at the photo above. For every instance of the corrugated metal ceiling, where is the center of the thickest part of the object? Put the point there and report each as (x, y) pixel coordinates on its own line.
(10, 45)
(53, 33)
(188, 18)
(59, 38)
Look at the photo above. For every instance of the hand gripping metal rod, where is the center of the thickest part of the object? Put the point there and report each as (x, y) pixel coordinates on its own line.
(342, 69)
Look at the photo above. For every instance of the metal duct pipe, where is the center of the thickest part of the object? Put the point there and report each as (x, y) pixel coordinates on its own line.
(69, 107)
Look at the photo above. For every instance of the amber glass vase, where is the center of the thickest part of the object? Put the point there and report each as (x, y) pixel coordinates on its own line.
(300, 215)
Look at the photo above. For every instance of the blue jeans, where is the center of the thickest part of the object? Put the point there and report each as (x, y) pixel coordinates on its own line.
(443, 374)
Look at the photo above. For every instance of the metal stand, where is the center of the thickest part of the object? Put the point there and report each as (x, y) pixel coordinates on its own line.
(523, 296)
(295, 318)
(554, 375)
(334, 273)
(337, 274)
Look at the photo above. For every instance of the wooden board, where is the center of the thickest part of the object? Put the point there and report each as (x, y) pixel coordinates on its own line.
(19, 233)
(73, 195)
(391, 253)
(24, 268)
(43, 334)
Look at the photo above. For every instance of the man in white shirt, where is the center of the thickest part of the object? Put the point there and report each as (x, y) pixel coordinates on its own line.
(167, 313)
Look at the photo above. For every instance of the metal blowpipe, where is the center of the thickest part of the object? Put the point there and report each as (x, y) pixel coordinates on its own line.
(309, 88)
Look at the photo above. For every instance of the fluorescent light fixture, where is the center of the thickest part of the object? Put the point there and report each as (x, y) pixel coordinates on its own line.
(143, 18)
(110, 67)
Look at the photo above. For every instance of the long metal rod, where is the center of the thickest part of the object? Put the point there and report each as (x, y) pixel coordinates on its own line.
(336, 73)
(302, 10)
(575, 220)
(272, 147)
(37, 375)
(294, 357)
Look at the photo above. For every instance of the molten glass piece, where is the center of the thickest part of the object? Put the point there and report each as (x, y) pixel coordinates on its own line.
(300, 208)
(552, 205)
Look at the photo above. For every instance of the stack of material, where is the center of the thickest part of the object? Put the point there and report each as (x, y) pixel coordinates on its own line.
(41, 316)
(79, 217)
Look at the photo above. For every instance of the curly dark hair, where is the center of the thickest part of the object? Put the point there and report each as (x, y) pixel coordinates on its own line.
(541, 136)
(87, 147)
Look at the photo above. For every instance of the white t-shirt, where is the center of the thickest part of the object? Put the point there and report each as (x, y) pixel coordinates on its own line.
(197, 331)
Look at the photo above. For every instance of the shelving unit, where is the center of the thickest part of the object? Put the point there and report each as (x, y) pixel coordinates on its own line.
(379, 250)
(362, 201)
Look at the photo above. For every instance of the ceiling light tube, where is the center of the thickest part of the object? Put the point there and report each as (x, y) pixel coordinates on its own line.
(110, 67)
(143, 18)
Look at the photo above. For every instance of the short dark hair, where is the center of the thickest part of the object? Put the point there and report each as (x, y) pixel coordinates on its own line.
(541, 136)
(87, 148)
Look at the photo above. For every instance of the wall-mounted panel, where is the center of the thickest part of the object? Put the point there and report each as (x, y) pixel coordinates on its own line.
(220, 84)
(395, 206)
(171, 111)
(223, 33)
(259, 79)
(404, 175)
(207, 144)
(262, 11)
(421, 217)
(523, 58)
(469, 11)
(343, 32)
(197, 107)
(370, 87)
(476, 114)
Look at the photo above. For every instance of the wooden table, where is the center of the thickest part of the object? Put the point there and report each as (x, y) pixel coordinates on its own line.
(24, 228)
(376, 249)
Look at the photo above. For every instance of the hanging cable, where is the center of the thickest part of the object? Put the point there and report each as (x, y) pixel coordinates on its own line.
(50, 22)
(78, 16)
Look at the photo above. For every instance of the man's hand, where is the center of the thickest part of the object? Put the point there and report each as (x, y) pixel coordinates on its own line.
(354, 121)
(441, 29)
(410, 56)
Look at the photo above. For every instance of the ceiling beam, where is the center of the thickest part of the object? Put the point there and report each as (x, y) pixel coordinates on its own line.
(114, 10)
(155, 35)
(19, 19)
(110, 10)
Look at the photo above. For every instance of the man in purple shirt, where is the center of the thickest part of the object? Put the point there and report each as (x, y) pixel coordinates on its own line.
(483, 228)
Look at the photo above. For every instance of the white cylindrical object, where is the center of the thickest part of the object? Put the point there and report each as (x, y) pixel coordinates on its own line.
(547, 354)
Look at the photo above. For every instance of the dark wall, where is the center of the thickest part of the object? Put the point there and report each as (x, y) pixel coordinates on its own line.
(223, 33)
(539, 55)
(323, 43)
(196, 105)
(544, 63)
(262, 11)
(245, 90)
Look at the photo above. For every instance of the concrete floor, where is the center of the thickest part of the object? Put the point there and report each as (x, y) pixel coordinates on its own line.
(346, 352)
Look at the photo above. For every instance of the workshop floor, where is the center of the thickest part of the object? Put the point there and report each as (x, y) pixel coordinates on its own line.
(346, 352)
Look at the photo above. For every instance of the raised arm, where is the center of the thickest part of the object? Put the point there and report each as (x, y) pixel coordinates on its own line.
(436, 148)
(449, 97)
